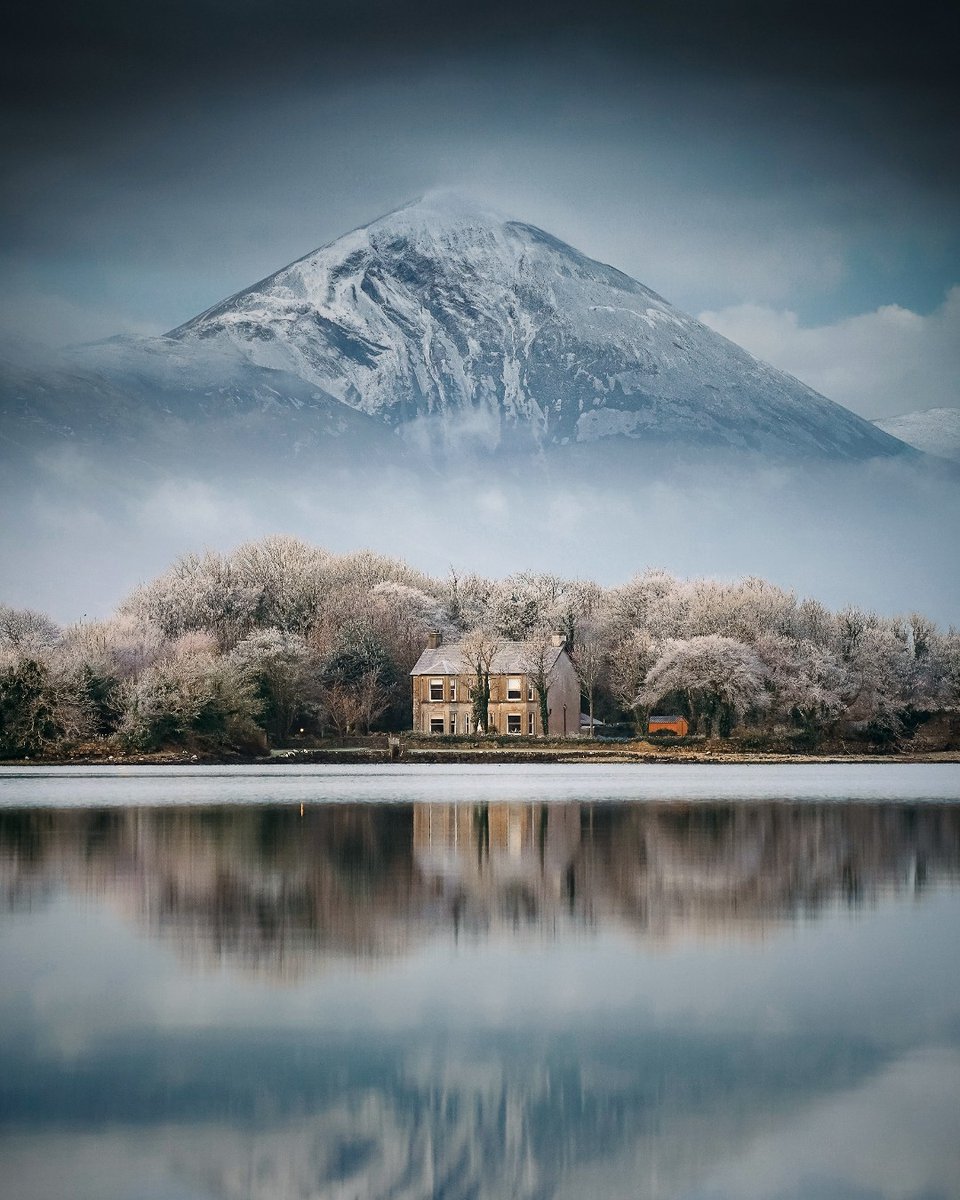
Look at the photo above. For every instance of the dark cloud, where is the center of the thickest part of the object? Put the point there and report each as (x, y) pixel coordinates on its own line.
(159, 157)
(111, 48)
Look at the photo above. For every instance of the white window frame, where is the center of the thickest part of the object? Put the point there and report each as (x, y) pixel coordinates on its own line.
(436, 683)
(519, 720)
(438, 721)
(514, 693)
(531, 726)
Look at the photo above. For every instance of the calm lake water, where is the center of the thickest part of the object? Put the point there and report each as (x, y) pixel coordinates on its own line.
(706, 983)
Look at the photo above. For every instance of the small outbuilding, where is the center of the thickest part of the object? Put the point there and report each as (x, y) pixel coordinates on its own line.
(668, 724)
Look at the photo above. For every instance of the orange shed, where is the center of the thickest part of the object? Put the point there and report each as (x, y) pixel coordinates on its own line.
(671, 724)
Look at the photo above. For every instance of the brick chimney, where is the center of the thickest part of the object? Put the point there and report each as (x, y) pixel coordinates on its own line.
(434, 638)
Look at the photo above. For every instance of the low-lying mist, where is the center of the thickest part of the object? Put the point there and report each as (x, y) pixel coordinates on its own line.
(83, 524)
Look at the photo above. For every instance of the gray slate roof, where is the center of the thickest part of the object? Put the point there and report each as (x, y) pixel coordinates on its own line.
(511, 658)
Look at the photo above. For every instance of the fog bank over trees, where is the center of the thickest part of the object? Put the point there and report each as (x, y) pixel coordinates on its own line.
(879, 534)
(279, 636)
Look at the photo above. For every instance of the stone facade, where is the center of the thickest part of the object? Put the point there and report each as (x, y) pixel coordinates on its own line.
(443, 678)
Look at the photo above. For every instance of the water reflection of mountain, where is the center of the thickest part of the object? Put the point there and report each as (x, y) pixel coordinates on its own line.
(278, 890)
(283, 1096)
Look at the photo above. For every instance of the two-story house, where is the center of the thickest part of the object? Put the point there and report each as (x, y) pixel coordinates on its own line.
(443, 678)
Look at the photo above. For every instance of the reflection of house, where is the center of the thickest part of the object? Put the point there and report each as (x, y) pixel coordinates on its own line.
(443, 679)
(668, 724)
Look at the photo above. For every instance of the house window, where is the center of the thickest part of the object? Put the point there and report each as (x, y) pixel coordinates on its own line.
(436, 689)
(453, 722)
(530, 723)
(513, 689)
(531, 694)
(513, 722)
(453, 691)
(436, 724)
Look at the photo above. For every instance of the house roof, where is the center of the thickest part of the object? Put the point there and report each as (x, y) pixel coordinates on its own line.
(509, 658)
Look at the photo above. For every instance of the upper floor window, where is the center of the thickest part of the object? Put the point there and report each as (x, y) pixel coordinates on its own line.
(436, 689)
(531, 694)
(513, 689)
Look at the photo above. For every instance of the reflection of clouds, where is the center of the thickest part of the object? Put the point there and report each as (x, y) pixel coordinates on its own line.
(609, 1117)
(893, 1136)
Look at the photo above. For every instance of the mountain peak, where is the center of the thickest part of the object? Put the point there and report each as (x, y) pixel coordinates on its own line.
(448, 223)
(443, 207)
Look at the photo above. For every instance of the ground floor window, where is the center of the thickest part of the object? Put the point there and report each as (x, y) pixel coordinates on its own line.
(513, 723)
(530, 723)
(436, 724)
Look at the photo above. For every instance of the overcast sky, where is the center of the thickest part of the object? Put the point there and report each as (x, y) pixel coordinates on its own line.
(789, 170)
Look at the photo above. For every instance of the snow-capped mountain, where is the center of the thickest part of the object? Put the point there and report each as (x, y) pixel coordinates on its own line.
(451, 326)
(934, 431)
(448, 317)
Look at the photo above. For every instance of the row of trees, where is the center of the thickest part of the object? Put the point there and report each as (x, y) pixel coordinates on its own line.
(280, 636)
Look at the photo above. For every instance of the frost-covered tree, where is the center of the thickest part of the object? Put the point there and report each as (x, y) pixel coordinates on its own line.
(653, 602)
(590, 661)
(467, 600)
(479, 648)
(27, 631)
(744, 610)
(811, 686)
(719, 678)
(629, 661)
(289, 578)
(284, 673)
(403, 617)
(948, 658)
(199, 592)
(28, 723)
(358, 680)
(191, 696)
(517, 612)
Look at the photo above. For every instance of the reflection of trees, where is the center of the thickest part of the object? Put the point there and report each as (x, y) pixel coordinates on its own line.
(277, 890)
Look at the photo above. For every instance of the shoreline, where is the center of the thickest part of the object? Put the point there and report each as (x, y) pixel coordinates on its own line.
(416, 756)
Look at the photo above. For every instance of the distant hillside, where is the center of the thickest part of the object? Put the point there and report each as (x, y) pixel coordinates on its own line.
(932, 430)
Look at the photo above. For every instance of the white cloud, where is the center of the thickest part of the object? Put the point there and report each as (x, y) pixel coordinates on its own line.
(879, 363)
(35, 318)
